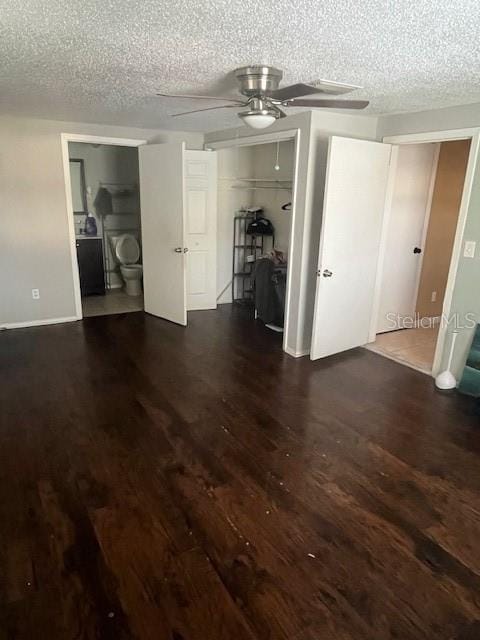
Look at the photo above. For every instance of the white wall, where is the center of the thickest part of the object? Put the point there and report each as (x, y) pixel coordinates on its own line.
(111, 164)
(462, 117)
(34, 241)
(466, 298)
(314, 128)
(272, 199)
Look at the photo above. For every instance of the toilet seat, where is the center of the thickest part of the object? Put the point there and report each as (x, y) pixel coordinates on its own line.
(127, 250)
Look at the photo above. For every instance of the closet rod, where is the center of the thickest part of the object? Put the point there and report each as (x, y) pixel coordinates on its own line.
(277, 180)
(118, 184)
(259, 187)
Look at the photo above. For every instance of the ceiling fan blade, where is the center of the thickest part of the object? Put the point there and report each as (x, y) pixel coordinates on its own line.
(335, 88)
(294, 91)
(328, 104)
(221, 106)
(193, 97)
(320, 86)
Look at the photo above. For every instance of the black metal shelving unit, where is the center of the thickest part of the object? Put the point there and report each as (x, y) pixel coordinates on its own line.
(247, 248)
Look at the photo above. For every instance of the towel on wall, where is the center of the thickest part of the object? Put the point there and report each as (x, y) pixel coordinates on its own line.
(103, 202)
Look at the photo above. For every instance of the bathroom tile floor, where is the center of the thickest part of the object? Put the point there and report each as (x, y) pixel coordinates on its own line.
(413, 347)
(114, 301)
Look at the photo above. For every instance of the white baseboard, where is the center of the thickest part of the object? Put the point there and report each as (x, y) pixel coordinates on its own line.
(297, 354)
(37, 323)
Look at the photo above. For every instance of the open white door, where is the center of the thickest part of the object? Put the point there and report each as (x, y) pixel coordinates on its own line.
(353, 211)
(162, 206)
(412, 189)
(201, 229)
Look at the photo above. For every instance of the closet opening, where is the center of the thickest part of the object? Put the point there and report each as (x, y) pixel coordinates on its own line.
(104, 184)
(255, 211)
(427, 184)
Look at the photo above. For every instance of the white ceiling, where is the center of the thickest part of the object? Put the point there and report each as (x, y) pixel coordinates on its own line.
(103, 60)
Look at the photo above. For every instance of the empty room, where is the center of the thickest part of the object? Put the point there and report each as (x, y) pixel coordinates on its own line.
(239, 321)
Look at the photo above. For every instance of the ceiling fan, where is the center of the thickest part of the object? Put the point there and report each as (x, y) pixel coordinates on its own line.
(259, 84)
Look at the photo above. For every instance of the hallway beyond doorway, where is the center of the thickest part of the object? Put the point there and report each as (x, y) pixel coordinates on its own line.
(413, 347)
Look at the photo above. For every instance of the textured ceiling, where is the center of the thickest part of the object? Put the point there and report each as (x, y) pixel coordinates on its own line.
(103, 60)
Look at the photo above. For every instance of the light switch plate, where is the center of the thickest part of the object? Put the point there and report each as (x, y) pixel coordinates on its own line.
(470, 248)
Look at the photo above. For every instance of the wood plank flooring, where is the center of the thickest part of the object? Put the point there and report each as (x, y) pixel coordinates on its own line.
(163, 483)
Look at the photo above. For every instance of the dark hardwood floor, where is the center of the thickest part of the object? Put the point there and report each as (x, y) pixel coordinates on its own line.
(161, 483)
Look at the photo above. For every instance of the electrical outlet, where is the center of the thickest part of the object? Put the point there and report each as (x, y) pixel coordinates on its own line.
(36, 294)
(470, 248)
(434, 296)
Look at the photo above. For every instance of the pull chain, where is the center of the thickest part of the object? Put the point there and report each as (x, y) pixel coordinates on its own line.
(277, 166)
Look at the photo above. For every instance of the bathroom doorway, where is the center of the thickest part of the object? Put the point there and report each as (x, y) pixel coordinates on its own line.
(104, 185)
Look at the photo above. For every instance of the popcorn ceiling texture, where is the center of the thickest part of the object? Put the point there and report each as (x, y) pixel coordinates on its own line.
(103, 60)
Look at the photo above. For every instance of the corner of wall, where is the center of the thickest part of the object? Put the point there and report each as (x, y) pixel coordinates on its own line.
(381, 125)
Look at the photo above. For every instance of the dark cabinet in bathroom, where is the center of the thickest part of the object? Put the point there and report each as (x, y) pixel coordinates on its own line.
(90, 266)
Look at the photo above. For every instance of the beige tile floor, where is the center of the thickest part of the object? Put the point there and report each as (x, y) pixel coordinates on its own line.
(114, 301)
(415, 347)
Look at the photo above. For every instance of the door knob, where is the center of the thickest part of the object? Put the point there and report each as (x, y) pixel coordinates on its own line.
(417, 250)
(185, 250)
(327, 274)
(178, 250)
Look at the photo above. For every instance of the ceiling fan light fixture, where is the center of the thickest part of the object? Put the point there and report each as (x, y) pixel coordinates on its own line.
(259, 119)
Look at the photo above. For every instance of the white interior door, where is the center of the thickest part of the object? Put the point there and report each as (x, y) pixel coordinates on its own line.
(354, 204)
(201, 229)
(414, 171)
(162, 211)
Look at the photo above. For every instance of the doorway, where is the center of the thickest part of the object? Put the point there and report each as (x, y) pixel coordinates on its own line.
(421, 227)
(255, 209)
(358, 196)
(102, 186)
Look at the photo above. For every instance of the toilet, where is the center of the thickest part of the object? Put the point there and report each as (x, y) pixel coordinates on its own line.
(127, 252)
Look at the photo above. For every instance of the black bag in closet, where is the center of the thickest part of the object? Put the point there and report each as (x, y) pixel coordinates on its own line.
(260, 227)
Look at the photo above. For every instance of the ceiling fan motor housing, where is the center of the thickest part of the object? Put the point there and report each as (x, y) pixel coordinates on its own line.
(258, 80)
